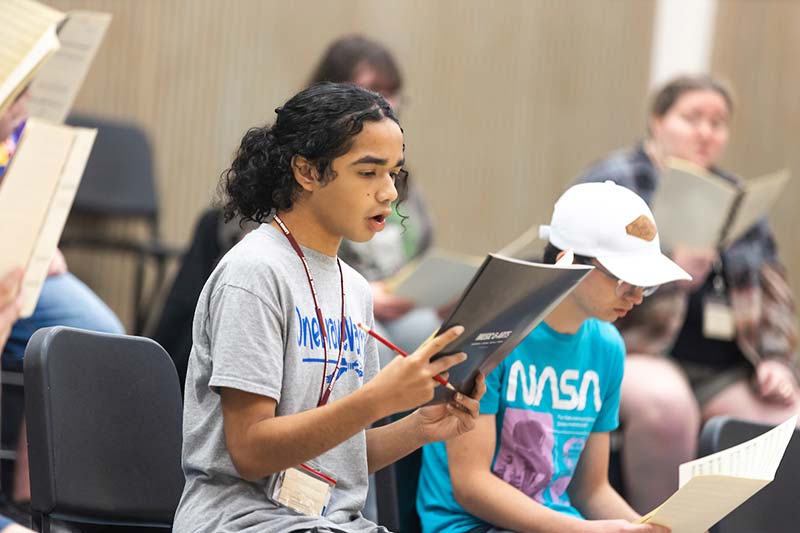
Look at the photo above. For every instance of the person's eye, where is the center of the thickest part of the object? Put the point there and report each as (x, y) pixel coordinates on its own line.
(367, 173)
(691, 118)
(719, 123)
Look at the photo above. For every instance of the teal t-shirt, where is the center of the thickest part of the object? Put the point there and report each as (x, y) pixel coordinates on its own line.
(548, 395)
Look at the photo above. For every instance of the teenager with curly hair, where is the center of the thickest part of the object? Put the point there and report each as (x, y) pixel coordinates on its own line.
(281, 380)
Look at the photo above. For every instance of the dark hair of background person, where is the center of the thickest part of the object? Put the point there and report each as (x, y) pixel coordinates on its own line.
(344, 56)
(319, 124)
(668, 94)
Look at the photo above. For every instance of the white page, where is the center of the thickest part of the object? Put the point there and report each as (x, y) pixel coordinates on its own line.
(57, 84)
(692, 206)
(757, 458)
(28, 37)
(36, 194)
(760, 195)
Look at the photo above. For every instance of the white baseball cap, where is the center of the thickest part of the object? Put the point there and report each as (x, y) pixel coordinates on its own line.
(614, 225)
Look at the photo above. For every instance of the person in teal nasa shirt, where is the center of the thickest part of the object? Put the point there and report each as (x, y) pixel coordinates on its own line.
(538, 457)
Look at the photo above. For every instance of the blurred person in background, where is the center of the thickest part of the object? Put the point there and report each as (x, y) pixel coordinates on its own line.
(409, 231)
(676, 377)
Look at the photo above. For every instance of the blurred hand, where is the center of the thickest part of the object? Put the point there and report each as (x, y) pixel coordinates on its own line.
(386, 306)
(447, 420)
(696, 261)
(776, 382)
(58, 265)
(14, 115)
(10, 302)
(407, 382)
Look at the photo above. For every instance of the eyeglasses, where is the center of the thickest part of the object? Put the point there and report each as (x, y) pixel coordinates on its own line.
(623, 288)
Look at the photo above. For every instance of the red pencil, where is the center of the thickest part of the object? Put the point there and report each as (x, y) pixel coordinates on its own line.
(389, 344)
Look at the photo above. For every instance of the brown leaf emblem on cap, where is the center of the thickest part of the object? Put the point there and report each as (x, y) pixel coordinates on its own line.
(643, 228)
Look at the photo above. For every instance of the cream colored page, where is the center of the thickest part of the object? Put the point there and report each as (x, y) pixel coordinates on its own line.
(757, 458)
(28, 37)
(57, 214)
(26, 194)
(703, 502)
(692, 206)
(57, 84)
(760, 195)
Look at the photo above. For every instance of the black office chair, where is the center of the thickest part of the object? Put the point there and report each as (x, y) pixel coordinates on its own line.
(119, 183)
(104, 429)
(771, 509)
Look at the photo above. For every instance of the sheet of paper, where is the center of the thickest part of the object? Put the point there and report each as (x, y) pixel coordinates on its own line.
(757, 458)
(435, 279)
(692, 206)
(760, 195)
(29, 37)
(36, 194)
(704, 501)
(713, 486)
(57, 84)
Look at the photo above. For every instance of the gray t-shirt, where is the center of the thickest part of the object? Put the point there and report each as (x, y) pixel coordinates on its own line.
(255, 329)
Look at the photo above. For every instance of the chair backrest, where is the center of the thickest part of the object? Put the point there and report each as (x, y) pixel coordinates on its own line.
(104, 428)
(771, 509)
(119, 177)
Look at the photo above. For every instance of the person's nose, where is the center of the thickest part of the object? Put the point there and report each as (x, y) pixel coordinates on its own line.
(635, 295)
(705, 130)
(388, 191)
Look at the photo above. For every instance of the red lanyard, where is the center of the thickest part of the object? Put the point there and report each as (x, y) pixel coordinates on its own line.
(324, 392)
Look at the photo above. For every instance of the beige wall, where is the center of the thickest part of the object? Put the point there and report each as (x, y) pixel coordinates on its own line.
(508, 100)
(758, 50)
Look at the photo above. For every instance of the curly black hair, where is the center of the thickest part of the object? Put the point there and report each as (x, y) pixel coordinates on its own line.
(318, 123)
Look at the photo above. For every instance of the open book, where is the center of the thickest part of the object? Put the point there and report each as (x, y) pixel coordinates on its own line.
(435, 279)
(28, 35)
(699, 209)
(715, 485)
(36, 193)
(56, 85)
(505, 300)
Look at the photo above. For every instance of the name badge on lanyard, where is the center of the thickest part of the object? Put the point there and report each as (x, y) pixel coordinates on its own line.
(305, 488)
(718, 321)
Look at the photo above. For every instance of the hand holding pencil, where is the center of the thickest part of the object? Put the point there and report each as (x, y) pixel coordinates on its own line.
(409, 381)
(392, 346)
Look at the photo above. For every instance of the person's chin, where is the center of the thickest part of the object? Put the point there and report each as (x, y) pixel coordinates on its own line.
(617, 314)
(361, 234)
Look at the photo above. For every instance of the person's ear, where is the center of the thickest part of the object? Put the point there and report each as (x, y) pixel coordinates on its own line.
(654, 127)
(305, 173)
